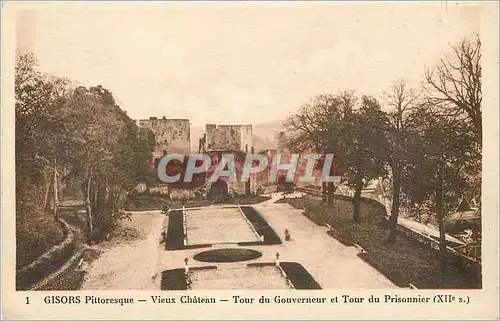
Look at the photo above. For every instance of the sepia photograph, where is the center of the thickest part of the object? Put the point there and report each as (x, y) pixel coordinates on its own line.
(250, 146)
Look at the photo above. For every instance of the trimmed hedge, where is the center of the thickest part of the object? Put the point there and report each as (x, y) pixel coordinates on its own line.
(261, 226)
(175, 231)
(176, 279)
(296, 273)
(173, 280)
(299, 276)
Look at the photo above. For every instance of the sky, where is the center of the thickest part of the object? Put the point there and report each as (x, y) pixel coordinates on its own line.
(241, 63)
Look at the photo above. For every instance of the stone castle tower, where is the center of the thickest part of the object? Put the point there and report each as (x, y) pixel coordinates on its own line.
(171, 135)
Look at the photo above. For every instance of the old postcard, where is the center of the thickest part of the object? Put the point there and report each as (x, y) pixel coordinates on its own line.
(250, 160)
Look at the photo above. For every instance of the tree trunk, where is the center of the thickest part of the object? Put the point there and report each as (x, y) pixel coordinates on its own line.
(98, 204)
(110, 209)
(442, 235)
(442, 252)
(331, 191)
(116, 204)
(56, 194)
(95, 195)
(88, 207)
(396, 188)
(101, 197)
(48, 184)
(357, 197)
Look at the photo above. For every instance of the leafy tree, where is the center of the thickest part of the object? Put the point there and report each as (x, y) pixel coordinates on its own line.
(65, 134)
(439, 175)
(336, 124)
(320, 127)
(40, 131)
(401, 102)
(112, 153)
(365, 147)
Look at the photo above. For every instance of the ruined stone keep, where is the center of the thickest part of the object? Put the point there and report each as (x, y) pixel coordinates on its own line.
(228, 137)
(171, 135)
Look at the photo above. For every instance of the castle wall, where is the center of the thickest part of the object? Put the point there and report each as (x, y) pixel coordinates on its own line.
(246, 138)
(171, 135)
(228, 137)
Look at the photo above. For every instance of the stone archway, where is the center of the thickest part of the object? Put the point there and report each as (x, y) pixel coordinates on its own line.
(218, 191)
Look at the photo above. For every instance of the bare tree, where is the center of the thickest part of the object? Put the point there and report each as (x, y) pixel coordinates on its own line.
(455, 83)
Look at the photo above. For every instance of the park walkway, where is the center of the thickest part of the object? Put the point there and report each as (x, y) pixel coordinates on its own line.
(332, 264)
(138, 263)
(128, 263)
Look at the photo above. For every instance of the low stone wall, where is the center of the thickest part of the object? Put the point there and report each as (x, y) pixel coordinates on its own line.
(159, 189)
(182, 194)
(49, 262)
(173, 193)
(318, 192)
(463, 262)
(67, 278)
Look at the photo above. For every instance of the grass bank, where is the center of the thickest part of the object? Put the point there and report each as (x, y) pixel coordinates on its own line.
(407, 261)
(36, 233)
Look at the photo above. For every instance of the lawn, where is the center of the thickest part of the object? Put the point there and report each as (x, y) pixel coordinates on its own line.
(407, 261)
(234, 278)
(214, 225)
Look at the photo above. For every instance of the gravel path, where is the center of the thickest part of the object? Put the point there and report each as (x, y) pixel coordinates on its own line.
(130, 260)
(135, 259)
